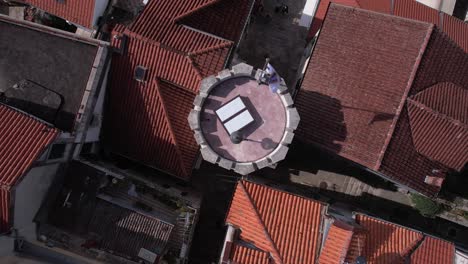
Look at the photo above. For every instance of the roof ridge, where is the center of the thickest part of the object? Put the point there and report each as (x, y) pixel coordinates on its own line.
(267, 234)
(288, 193)
(434, 112)
(225, 44)
(194, 10)
(35, 118)
(53, 31)
(137, 36)
(169, 124)
(388, 222)
(411, 250)
(344, 253)
(404, 97)
(195, 68)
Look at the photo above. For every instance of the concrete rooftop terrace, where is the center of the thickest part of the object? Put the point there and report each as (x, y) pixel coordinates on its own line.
(50, 66)
(261, 137)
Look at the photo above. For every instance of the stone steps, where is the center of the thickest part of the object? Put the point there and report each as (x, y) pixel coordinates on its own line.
(354, 187)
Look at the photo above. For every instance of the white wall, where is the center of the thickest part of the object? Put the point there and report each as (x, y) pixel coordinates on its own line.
(92, 134)
(445, 6)
(461, 257)
(29, 194)
(99, 9)
(308, 13)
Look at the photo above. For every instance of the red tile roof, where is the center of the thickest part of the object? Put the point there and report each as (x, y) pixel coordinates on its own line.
(80, 12)
(433, 251)
(285, 228)
(151, 116)
(410, 157)
(321, 12)
(356, 246)
(438, 125)
(389, 243)
(359, 96)
(350, 95)
(414, 10)
(22, 141)
(244, 255)
(386, 242)
(285, 225)
(452, 26)
(336, 245)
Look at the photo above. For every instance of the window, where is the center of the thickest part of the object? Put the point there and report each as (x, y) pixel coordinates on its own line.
(140, 73)
(57, 151)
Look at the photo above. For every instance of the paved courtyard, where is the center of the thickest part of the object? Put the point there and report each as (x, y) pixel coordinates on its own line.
(277, 36)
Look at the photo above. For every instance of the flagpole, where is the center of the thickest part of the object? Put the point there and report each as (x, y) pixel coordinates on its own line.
(260, 79)
(267, 60)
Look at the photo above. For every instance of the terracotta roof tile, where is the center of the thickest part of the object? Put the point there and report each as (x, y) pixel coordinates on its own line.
(386, 242)
(438, 134)
(350, 96)
(22, 140)
(80, 12)
(443, 62)
(434, 251)
(381, 6)
(213, 18)
(151, 116)
(157, 23)
(377, 127)
(245, 255)
(336, 245)
(457, 30)
(454, 27)
(321, 12)
(405, 165)
(389, 243)
(283, 224)
(178, 102)
(446, 98)
(414, 10)
(356, 246)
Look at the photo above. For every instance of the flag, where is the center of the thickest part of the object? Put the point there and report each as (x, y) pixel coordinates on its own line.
(274, 79)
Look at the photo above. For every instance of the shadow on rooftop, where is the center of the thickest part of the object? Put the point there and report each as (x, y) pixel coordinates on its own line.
(384, 209)
(322, 120)
(308, 158)
(43, 104)
(455, 184)
(144, 120)
(210, 231)
(217, 185)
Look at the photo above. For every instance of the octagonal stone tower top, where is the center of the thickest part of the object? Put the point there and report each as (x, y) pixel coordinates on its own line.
(239, 123)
